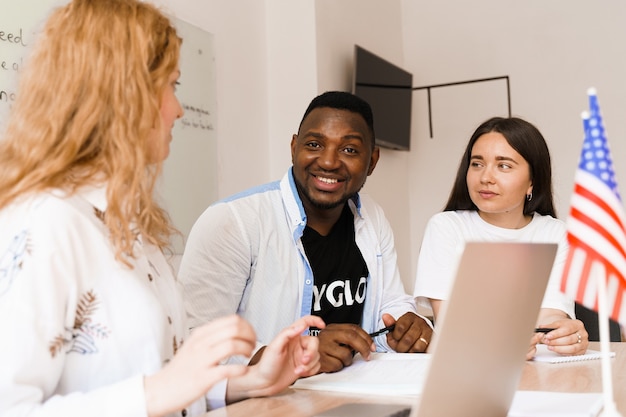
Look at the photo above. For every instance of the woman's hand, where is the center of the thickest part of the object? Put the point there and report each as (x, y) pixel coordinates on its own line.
(196, 366)
(569, 336)
(288, 357)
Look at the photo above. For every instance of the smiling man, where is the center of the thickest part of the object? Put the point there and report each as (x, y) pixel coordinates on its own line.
(308, 244)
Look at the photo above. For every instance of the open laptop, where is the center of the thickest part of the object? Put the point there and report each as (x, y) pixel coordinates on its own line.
(482, 337)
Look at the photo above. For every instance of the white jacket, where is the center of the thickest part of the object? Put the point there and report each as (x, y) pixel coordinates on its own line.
(244, 255)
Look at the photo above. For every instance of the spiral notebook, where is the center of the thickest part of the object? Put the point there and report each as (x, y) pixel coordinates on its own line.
(545, 355)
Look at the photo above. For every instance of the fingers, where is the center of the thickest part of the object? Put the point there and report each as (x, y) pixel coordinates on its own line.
(229, 327)
(221, 338)
(569, 337)
(305, 322)
(195, 368)
(536, 338)
(289, 356)
(531, 352)
(310, 349)
(421, 345)
(310, 361)
(388, 319)
(305, 354)
(170, 390)
(339, 342)
(295, 330)
(411, 334)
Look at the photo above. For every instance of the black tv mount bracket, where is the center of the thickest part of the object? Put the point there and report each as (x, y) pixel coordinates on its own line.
(480, 80)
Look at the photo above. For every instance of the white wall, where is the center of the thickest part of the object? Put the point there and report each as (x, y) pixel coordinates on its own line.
(266, 76)
(273, 56)
(377, 27)
(292, 75)
(552, 50)
(242, 85)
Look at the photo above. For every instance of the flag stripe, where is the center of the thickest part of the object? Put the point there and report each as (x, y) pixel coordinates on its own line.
(579, 231)
(614, 250)
(593, 254)
(602, 205)
(590, 210)
(615, 290)
(595, 227)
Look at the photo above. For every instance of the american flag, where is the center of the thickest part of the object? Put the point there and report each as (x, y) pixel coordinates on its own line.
(595, 226)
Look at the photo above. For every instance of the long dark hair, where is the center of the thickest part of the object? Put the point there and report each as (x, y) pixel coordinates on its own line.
(530, 144)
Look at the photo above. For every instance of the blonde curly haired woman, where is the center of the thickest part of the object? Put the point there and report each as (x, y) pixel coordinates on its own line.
(92, 319)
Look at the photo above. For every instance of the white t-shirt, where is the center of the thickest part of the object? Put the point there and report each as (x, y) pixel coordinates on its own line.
(444, 240)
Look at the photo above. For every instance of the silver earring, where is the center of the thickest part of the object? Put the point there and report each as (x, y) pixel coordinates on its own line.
(529, 196)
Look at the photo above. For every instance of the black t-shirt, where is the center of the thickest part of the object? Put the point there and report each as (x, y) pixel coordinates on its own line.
(339, 272)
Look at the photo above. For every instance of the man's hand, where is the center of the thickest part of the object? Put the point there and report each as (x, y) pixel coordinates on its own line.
(339, 342)
(411, 333)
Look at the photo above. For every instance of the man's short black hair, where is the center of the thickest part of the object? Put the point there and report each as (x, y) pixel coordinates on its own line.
(343, 101)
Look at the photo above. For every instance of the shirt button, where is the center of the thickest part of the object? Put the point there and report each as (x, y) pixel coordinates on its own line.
(307, 282)
(184, 413)
(150, 277)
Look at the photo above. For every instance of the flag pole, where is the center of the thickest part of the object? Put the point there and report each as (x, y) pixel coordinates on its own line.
(610, 408)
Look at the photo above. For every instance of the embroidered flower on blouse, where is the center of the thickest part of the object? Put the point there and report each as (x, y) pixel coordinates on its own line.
(82, 338)
(12, 258)
(99, 214)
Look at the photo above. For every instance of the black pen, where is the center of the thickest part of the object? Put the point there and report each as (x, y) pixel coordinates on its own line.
(543, 330)
(383, 330)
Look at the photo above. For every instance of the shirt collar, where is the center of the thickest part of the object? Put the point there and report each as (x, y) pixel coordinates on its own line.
(290, 184)
(95, 195)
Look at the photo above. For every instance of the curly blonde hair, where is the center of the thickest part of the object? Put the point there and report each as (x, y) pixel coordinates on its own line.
(87, 100)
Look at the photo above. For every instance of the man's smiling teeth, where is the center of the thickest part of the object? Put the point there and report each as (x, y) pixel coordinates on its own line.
(327, 180)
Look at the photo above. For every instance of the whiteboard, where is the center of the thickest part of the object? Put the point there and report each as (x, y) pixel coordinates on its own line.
(18, 28)
(189, 181)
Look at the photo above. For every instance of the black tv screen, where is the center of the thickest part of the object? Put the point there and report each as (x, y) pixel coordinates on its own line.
(389, 90)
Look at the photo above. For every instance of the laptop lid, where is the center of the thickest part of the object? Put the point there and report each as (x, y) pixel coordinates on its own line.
(483, 333)
(482, 336)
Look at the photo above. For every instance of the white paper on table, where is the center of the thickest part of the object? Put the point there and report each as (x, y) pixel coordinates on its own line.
(400, 374)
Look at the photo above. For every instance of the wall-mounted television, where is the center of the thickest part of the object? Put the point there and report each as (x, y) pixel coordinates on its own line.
(389, 90)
